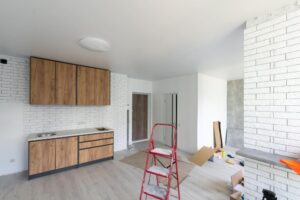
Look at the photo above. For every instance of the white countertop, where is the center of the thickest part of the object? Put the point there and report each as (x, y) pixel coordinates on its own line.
(67, 133)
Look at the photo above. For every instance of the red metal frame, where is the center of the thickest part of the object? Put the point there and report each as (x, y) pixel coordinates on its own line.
(172, 157)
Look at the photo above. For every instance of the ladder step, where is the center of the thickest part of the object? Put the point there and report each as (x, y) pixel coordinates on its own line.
(155, 191)
(161, 152)
(160, 171)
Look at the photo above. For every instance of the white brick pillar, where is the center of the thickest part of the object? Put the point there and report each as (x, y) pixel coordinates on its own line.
(272, 102)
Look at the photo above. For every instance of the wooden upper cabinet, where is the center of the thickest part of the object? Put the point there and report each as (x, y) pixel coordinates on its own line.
(41, 156)
(60, 83)
(66, 152)
(65, 84)
(85, 86)
(42, 81)
(102, 87)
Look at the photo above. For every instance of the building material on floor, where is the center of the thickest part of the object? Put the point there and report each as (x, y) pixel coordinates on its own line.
(293, 164)
(203, 155)
(236, 196)
(269, 195)
(237, 178)
(237, 182)
(230, 161)
(218, 142)
(168, 172)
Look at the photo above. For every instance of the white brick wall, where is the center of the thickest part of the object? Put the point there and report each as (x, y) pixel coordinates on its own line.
(14, 87)
(272, 82)
(272, 101)
(284, 182)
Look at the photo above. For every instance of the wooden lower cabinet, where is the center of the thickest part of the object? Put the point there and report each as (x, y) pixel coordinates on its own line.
(55, 154)
(66, 152)
(96, 153)
(41, 156)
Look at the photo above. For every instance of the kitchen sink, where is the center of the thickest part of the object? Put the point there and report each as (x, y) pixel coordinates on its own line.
(102, 129)
(46, 134)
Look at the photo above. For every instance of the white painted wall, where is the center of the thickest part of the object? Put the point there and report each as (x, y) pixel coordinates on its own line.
(18, 118)
(137, 86)
(12, 145)
(140, 86)
(212, 106)
(186, 88)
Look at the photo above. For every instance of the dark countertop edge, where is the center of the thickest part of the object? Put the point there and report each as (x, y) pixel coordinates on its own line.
(269, 158)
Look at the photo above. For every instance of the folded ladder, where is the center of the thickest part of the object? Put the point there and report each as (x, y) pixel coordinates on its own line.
(156, 190)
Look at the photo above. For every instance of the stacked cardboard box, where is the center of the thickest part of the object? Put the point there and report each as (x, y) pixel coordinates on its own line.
(237, 182)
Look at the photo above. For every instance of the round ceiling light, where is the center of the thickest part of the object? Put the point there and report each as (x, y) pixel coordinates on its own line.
(94, 44)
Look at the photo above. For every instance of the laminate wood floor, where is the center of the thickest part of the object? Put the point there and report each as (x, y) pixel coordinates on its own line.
(114, 180)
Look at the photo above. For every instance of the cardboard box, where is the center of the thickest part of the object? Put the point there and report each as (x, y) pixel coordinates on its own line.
(218, 143)
(237, 186)
(202, 156)
(237, 178)
(236, 196)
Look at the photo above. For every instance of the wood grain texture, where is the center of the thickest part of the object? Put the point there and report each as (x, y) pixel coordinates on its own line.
(96, 153)
(41, 156)
(95, 143)
(66, 152)
(65, 84)
(97, 136)
(85, 86)
(218, 143)
(42, 81)
(102, 87)
(139, 117)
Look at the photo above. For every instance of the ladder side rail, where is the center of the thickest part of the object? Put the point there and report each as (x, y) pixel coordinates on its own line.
(150, 145)
(177, 176)
(169, 177)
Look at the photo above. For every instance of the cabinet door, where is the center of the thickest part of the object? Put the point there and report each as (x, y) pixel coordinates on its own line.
(102, 87)
(65, 84)
(41, 156)
(42, 81)
(66, 152)
(86, 86)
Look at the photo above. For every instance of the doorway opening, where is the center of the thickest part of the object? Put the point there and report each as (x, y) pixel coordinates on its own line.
(140, 117)
(165, 111)
(169, 117)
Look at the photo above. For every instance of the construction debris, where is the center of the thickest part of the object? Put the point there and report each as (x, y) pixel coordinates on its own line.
(218, 142)
(237, 182)
(203, 155)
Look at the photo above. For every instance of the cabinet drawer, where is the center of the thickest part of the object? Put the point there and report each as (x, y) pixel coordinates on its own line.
(98, 136)
(96, 143)
(96, 153)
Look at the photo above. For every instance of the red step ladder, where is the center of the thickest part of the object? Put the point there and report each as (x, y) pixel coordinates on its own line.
(155, 190)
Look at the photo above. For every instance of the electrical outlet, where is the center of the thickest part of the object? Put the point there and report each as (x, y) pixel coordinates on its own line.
(12, 160)
(81, 123)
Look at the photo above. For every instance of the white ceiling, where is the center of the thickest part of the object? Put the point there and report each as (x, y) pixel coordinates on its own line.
(150, 39)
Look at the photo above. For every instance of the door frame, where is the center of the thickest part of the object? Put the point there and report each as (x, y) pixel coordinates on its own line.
(149, 97)
(174, 118)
